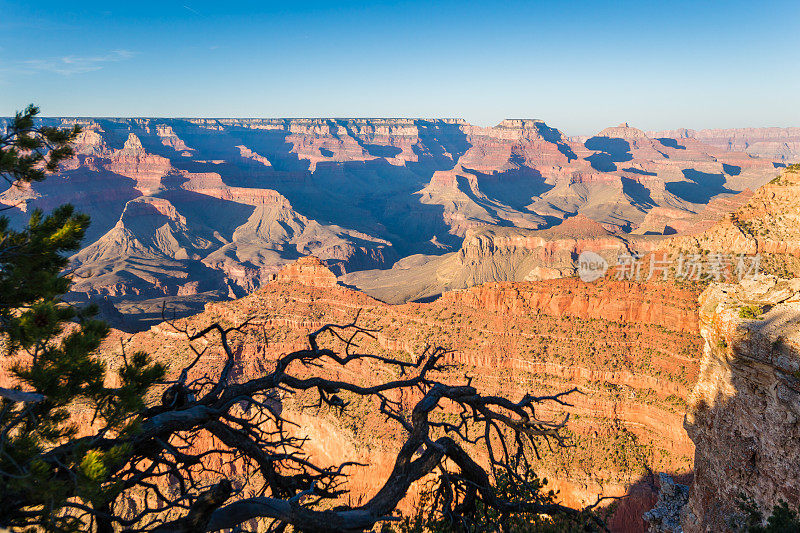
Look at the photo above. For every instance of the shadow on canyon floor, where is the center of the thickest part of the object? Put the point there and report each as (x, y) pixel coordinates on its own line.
(700, 188)
(515, 188)
(132, 316)
(638, 193)
(670, 143)
(556, 137)
(608, 152)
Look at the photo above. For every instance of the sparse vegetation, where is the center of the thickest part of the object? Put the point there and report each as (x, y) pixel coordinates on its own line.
(783, 519)
(779, 179)
(750, 312)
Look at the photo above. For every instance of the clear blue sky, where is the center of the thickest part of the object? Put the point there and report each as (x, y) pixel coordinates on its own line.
(580, 66)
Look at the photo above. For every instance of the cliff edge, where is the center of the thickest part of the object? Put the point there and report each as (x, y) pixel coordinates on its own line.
(743, 414)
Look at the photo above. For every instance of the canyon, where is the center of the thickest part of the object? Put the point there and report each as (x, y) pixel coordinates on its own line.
(437, 232)
(767, 225)
(631, 350)
(743, 411)
(193, 210)
(777, 143)
(672, 377)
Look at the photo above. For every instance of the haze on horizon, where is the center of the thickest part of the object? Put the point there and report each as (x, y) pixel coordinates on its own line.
(580, 66)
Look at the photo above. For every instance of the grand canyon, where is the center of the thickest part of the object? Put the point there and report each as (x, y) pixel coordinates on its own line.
(210, 209)
(440, 233)
(399, 267)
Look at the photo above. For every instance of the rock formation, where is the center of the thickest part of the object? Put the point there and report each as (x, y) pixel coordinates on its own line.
(768, 224)
(134, 162)
(491, 253)
(631, 349)
(493, 219)
(744, 411)
(665, 517)
(361, 194)
(773, 143)
(307, 271)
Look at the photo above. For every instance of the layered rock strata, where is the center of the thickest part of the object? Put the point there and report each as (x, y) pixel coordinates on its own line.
(767, 225)
(781, 143)
(630, 349)
(360, 194)
(490, 254)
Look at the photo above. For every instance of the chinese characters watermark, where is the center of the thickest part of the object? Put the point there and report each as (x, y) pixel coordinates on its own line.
(660, 266)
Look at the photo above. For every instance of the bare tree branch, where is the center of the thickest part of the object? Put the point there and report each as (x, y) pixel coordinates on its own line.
(170, 463)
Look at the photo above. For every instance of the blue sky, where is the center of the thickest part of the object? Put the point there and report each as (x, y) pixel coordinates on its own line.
(580, 66)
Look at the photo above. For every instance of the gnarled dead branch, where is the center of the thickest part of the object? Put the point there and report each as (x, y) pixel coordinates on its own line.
(176, 481)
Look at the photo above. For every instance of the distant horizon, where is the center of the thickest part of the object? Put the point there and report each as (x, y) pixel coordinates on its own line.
(580, 65)
(567, 134)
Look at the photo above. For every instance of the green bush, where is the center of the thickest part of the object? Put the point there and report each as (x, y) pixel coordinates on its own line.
(750, 311)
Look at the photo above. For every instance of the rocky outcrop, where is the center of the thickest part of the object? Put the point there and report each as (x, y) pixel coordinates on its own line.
(247, 153)
(670, 221)
(665, 517)
(744, 411)
(538, 254)
(307, 271)
(134, 162)
(768, 224)
(168, 138)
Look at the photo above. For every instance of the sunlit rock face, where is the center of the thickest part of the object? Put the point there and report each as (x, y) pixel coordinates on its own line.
(767, 224)
(308, 271)
(361, 194)
(632, 350)
(744, 412)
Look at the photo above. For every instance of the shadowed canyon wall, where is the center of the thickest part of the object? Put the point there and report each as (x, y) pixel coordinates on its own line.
(743, 411)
